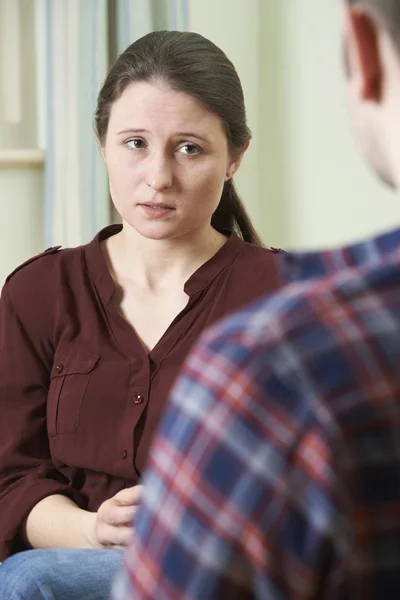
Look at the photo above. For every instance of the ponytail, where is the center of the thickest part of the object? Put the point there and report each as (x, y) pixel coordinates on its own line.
(231, 215)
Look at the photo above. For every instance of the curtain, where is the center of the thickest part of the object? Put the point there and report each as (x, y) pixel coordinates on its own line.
(74, 62)
(76, 41)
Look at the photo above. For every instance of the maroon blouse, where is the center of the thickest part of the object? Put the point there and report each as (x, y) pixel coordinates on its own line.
(79, 396)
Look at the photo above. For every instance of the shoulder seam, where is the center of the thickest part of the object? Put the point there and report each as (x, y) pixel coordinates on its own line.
(51, 250)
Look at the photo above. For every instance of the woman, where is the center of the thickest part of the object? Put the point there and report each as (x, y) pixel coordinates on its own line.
(92, 338)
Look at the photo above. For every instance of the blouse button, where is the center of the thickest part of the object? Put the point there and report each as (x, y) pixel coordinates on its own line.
(123, 454)
(138, 399)
(60, 368)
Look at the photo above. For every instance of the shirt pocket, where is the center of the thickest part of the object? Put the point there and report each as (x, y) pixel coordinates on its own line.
(69, 380)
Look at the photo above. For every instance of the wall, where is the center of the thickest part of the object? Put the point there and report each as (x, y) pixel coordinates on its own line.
(21, 193)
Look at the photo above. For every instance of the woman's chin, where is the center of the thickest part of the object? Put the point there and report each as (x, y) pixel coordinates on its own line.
(155, 230)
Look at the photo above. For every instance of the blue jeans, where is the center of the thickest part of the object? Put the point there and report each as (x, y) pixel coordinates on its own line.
(59, 574)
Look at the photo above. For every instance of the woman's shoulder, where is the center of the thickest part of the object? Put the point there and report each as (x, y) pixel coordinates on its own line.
(39, 272)
(261, 254)
(25, 266)
(258, 268)
(254, 272)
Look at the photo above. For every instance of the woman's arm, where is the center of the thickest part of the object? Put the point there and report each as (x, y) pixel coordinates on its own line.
(27, 472)
(57, 522)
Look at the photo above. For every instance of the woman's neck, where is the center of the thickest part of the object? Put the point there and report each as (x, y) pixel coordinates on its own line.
(158, 265)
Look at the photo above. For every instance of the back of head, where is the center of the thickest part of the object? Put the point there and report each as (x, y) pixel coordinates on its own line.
(192, 64)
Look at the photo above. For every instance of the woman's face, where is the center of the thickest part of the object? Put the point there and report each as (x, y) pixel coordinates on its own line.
(167, 159)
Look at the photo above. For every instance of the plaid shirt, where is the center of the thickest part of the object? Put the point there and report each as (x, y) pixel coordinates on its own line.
(276, 470)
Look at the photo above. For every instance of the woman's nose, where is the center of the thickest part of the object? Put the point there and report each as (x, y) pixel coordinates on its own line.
(159, 173)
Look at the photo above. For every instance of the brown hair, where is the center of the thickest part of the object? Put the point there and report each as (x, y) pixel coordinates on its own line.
(190, 63)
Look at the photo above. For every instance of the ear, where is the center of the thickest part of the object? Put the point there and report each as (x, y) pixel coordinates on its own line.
(362, 38)
(102, 152)
(233, 166)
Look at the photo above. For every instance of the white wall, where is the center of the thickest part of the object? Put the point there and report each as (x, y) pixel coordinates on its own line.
(21, 198)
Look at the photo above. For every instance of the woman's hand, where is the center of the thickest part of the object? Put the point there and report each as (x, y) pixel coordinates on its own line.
(111, 526)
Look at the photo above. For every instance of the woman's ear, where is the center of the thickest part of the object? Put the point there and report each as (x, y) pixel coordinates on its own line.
(235, 164)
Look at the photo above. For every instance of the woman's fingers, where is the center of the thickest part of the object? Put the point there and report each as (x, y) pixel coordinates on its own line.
(116, 536)
(129, 496)
(119, 515)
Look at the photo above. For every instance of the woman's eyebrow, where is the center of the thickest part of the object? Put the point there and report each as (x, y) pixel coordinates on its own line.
(178, 133)
(131, 130)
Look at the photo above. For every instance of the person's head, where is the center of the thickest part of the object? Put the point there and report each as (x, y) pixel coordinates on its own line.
(171, 123)
(372, 63)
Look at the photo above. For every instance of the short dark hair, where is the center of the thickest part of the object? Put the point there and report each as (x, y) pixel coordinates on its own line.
(387, 12)
(190, 63)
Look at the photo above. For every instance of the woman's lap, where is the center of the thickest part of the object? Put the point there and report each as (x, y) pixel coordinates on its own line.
(59, 574)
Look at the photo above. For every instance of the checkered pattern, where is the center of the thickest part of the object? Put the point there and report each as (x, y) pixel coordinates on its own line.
(276, 471)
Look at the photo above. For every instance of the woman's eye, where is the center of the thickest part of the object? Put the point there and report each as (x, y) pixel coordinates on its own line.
(136, 144)
(189, 149)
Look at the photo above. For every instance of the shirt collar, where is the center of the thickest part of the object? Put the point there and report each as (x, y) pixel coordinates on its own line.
(97, 262)
(200, 279)
(205, 274)
(302, 266)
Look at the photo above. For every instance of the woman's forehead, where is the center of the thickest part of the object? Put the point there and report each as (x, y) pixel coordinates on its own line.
(145, 105)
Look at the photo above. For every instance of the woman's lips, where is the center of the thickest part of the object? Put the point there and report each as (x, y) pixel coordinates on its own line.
(156, 210)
